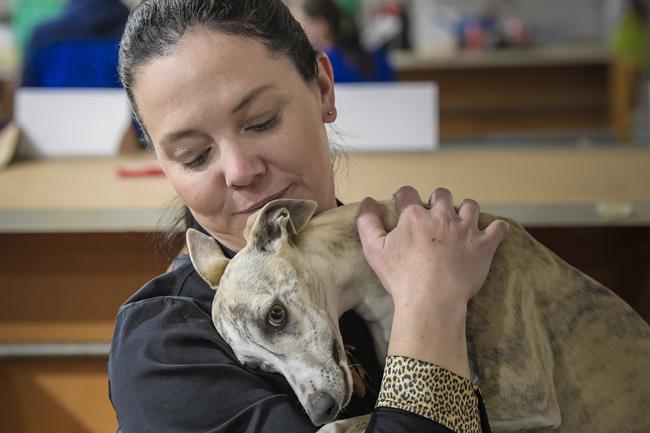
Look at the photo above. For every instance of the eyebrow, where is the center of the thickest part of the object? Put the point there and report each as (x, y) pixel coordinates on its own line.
(191, 133)
(168, 139)
(250, 96)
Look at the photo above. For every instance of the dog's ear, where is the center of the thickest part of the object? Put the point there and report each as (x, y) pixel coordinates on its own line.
(279, 219)
(207, 257)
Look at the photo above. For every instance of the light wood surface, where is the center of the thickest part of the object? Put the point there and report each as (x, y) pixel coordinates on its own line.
(81, 195)
(575, 54)
(538, 187)
(80, 184)
(506, 176)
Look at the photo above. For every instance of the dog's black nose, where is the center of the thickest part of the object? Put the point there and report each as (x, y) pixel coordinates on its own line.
(322, 408)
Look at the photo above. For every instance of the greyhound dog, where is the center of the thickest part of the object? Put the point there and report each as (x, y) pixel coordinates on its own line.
(550, 348)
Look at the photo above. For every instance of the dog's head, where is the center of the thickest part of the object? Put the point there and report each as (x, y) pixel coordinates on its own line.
(272, 308)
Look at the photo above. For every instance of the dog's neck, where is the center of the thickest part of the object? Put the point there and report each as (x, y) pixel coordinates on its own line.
(331, 243)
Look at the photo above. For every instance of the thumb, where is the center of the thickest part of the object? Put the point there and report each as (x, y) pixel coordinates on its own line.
(370, 226)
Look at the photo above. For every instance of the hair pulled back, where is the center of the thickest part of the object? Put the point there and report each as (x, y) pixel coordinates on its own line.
(156, 26)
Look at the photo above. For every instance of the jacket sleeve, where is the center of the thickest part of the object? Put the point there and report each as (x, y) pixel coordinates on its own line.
(169, 371)
(434, 393)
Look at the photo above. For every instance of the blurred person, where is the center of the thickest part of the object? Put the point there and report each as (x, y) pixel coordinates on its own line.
(630, 39)
(336, 34)
(631, 46)
(77, 49)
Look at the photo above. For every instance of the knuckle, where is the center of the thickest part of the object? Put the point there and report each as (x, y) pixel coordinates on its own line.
(411, 212)
(443, 216)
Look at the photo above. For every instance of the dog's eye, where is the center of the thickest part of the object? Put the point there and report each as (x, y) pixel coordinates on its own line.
(277, 316)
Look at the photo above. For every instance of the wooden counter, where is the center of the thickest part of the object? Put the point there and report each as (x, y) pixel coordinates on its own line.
(567, 89)
(76, 241)
(550, 55)
(571, 187)
(567, 187)
(75, 195)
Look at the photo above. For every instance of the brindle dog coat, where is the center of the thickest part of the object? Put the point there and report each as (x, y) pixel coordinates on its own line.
(552, 349)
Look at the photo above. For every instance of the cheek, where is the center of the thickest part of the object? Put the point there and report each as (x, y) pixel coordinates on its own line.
(196, 190)
(305, 150)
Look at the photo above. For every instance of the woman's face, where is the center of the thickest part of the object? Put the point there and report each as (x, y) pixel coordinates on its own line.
(235, 127)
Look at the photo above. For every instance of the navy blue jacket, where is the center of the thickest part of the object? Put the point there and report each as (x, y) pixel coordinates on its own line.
(79, 48)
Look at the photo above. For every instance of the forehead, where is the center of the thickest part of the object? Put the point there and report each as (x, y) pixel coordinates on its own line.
(261, 276)
(207, 71)
(252, 283)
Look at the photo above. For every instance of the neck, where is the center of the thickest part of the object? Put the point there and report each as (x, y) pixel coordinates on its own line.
(331, 243)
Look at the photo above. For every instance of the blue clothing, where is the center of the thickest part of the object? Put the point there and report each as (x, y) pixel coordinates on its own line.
(347, 72)
(78, 49)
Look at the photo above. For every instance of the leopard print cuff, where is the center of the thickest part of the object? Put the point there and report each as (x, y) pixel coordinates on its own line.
(432, 392)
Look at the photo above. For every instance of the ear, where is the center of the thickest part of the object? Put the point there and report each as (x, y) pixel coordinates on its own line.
(279, 219)
(325, 83)
(207, 257)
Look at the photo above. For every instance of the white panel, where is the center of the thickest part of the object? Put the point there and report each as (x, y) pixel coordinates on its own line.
(386, 117)
(71, 122)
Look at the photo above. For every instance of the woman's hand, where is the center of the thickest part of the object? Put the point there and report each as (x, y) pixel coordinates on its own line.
(432, 263)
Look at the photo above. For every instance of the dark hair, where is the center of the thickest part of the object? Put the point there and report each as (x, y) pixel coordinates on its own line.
(344, 31)
(156, 26)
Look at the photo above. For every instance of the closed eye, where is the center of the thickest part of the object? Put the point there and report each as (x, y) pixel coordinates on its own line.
(199, 160)
(264, 126)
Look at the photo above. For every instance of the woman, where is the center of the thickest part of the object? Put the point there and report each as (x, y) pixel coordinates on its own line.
(233, 99)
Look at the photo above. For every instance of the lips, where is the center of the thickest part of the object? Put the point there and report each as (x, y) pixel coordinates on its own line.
(260, 204)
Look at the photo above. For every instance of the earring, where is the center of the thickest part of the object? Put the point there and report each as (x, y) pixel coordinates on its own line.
(329, 113)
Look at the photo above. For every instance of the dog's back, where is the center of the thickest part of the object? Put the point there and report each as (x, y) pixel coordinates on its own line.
(554, 348)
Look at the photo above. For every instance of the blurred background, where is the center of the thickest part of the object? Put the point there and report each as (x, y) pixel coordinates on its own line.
(527, 71)
(536, 108)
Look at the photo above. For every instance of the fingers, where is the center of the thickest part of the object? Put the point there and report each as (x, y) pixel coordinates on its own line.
(469, 211)
(496, 232)
(406, 196)
(441, 202)
(370, 226)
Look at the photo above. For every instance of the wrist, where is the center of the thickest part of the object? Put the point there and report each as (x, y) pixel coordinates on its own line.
(434, 335)
(432, 308)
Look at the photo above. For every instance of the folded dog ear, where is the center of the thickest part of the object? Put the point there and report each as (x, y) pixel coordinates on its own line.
(207, 257)
(279, 219)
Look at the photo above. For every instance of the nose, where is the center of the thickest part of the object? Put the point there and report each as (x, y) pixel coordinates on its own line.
(321, 408)
(241, 166)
